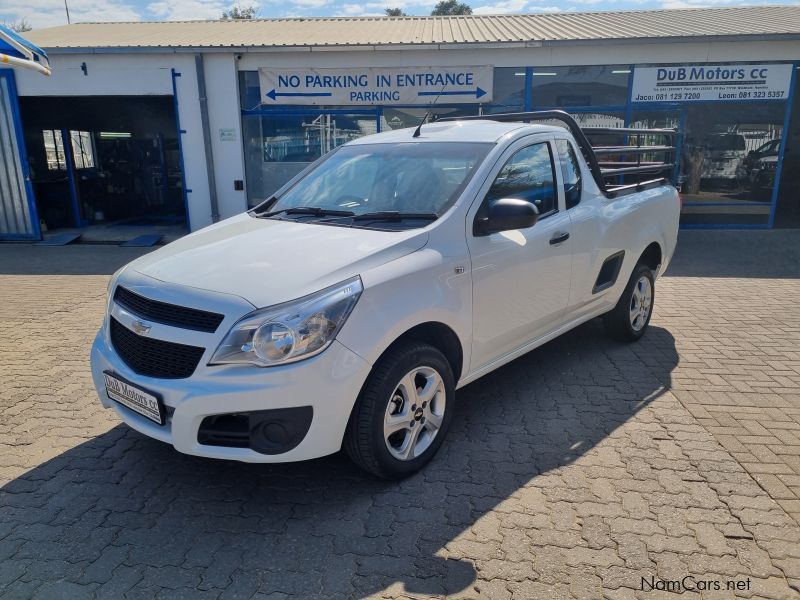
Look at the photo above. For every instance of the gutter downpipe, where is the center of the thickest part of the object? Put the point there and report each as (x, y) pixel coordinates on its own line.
(201, 92)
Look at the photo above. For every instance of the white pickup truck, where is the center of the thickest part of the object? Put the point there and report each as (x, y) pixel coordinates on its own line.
(347, 309)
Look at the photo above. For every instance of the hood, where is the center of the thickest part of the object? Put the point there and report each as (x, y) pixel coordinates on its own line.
(267, 261)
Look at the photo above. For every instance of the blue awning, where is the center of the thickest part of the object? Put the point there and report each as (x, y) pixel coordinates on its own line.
(16, 51)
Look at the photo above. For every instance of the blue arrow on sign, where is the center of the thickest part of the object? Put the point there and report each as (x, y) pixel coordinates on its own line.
(274, 95)
(477, 92)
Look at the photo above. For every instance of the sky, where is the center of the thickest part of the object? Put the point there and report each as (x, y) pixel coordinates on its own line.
(50, 13)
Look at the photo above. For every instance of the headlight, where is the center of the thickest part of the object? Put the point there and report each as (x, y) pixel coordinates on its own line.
(291, 331)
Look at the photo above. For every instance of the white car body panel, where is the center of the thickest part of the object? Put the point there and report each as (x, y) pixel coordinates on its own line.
(267, 271)
(520, 282)
(501, 295)
(236, 389)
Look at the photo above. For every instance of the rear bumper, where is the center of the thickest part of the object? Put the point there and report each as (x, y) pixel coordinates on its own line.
(329, 383)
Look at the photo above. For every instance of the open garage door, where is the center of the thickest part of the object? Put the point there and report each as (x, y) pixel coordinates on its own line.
(105, 164)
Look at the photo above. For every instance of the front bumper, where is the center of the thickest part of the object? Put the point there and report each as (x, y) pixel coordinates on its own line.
(329, 383)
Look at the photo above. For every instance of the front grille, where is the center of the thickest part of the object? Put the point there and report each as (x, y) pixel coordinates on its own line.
(154, 358)
(168, 314)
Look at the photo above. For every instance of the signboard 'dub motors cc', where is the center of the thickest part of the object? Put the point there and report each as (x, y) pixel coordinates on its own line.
(376, 85)
(726, 83)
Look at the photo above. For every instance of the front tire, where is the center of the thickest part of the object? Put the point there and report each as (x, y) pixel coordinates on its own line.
(403, 412)
(631, 316)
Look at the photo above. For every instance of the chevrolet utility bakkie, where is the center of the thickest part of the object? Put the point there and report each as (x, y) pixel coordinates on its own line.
(346, 309)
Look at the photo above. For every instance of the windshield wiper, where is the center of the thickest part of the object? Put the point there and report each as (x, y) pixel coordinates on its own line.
(309, 210)
(384, 215)
(393, 215)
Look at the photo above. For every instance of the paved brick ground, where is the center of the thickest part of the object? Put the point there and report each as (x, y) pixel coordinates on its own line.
(573, 472)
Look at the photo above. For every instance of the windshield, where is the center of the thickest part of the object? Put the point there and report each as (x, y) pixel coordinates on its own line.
(771, 146)
(417, 177)
(726, 142)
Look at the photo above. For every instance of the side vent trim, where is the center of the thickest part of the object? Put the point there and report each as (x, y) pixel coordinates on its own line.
(609, 272)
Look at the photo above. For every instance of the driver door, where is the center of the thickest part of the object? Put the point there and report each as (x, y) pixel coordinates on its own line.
(520, 278)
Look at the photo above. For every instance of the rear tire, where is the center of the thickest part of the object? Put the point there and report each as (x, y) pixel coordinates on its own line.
(631, 316)
(403, 412)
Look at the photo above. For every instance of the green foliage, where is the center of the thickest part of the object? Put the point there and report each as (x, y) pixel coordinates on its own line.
(395, 12)
(451, 7)
(236, 12)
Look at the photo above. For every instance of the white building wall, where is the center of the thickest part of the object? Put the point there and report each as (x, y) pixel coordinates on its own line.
(106, 75)
(222, 88)
(194, 154)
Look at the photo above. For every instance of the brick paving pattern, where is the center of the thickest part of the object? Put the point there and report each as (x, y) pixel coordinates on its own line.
(573, 472)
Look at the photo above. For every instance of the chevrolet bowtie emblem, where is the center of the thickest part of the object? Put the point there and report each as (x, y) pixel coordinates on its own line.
(141, 328)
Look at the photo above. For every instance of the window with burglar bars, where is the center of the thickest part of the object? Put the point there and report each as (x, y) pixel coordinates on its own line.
(82, 149)
(54, 150)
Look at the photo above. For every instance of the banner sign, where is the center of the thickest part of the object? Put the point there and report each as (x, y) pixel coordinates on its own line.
(376, 85)
(693, 83)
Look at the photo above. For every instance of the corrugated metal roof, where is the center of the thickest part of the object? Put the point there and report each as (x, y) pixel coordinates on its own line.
(480, 29)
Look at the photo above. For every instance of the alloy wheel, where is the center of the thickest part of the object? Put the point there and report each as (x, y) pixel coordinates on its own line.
(414, 413)
(641, 303)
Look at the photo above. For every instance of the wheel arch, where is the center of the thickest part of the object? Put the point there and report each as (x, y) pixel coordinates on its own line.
(360, 435)
(440, 336)
(651, 256)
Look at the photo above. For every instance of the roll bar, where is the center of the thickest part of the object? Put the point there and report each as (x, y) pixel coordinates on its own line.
(602, 171)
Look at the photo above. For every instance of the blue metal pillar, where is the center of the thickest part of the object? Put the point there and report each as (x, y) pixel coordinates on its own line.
(784, 133)
(73, 186)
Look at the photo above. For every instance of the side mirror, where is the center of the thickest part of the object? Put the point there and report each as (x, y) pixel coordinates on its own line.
(506, 214)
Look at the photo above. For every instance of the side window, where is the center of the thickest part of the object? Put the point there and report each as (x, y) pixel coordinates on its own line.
(54, 150)
(528, 175)
(570, 171)
(82, 149)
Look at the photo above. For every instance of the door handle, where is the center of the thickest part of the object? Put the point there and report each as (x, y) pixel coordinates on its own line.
(559, 237)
